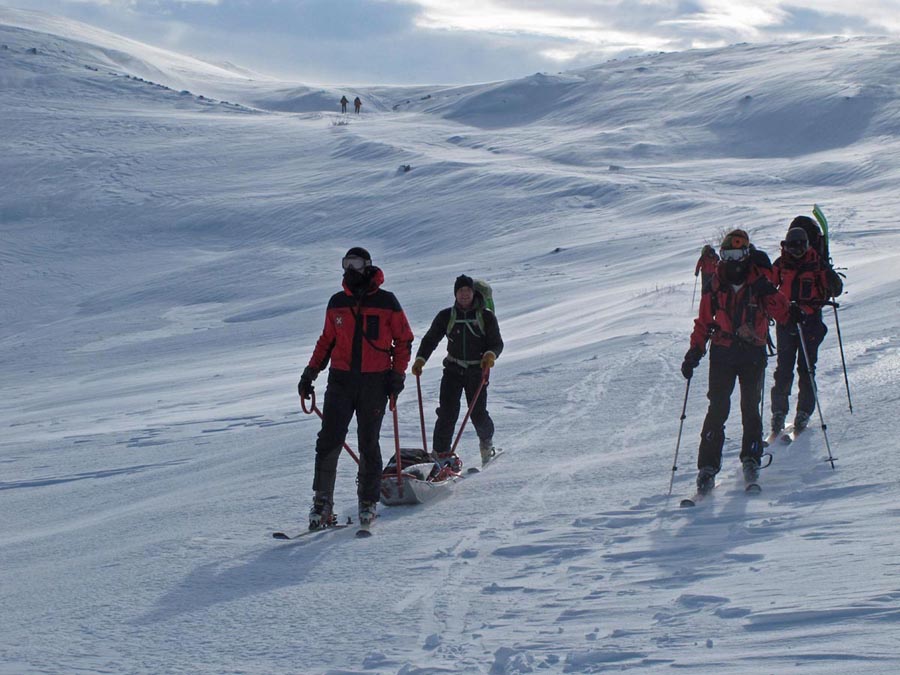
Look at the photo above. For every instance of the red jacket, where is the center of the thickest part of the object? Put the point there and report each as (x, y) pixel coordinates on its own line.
(802, 280)
(367, 335)
(728, 315)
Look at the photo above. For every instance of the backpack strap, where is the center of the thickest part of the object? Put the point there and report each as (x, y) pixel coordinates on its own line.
(479, 320)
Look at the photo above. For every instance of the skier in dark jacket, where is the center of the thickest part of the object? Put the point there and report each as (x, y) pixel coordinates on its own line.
(734, 316)
(368, 341)
(807, 282)
(357, 104)
(473, 344)
(344, 102)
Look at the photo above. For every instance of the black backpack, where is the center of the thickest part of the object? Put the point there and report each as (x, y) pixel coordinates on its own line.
(817, 240)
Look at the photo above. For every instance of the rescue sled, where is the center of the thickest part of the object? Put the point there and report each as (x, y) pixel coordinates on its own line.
(419, 479)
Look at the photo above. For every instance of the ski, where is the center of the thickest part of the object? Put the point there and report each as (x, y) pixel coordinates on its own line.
(791, 434)
(691, 501)
(476, 469)
(752, 488)
(786, 435)
(284, 536)
(363, 532)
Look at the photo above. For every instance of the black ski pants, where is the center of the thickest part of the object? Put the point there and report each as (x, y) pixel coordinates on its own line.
(347, 393)
(746, 364)
(455, 380)
(790, 352)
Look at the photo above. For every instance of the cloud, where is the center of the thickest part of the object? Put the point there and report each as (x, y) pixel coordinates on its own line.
(455, 41)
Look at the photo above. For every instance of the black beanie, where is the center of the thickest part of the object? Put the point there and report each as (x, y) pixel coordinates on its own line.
(463, 280)
(359, 252)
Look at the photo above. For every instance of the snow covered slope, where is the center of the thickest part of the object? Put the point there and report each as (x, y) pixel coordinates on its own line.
(165, 263)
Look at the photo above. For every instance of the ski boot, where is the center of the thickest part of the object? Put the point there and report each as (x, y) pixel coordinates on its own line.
(706, 480)
(751, 470)
(486, 446)
(801, 421)
(777, 423)
(322, 512)
(366, 513)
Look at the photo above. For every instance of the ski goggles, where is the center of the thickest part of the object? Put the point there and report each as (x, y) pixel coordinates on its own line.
(796, 245)
(734, 253)
(354, 262)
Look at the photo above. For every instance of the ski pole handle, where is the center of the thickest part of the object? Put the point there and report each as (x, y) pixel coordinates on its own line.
(312, 400)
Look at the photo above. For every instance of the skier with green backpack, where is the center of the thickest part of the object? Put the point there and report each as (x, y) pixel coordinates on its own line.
(473, 344)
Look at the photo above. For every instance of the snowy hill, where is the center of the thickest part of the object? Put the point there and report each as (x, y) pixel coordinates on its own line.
(171, 232)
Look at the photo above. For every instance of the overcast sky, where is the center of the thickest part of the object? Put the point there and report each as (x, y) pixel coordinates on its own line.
(459, 41)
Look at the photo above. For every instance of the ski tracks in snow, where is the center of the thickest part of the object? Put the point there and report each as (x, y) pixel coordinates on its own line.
(560, 551)
(591, 550)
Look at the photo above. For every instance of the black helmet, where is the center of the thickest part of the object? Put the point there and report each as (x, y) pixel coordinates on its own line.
(796, 241)
(357, 258)
(796, 234)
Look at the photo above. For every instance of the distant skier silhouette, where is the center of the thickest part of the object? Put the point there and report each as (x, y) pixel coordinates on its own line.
(357, 104)
(344, 102)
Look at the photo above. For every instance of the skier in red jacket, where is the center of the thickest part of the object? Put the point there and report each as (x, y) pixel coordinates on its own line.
(807, 281)
(734, 317)
(368, 340)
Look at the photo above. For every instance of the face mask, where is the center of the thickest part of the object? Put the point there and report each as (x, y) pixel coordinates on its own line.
(356, 281)
(736, 271)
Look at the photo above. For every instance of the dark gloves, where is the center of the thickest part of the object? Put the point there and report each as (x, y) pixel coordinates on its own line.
(797, 314)
(305, 386)
(691, 361)
(763, 287)
(395, 382)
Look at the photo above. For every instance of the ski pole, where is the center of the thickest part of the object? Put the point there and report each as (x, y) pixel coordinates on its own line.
(393, 407)
(837, 325)
(812, 381)
(762, 394)
(678, 442)
(694, 296)
(421, 414)
(484, 379)
(314, 409)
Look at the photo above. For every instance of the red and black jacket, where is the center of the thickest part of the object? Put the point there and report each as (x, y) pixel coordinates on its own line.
(364, 335)
(805, 280)
(730, 316)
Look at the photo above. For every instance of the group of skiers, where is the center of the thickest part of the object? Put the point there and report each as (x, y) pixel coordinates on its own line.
(742, 292)
(368, 341)
(357, 104)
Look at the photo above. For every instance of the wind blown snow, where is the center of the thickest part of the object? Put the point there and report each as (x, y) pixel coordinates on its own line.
(171, 232)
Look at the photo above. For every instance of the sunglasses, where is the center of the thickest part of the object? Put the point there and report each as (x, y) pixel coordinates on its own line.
(734, 253)
(354, 262)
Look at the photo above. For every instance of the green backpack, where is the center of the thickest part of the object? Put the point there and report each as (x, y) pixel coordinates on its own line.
(487, 293)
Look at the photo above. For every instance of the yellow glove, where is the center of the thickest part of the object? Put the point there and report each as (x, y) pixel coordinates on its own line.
(487, 361)
(418, 366)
